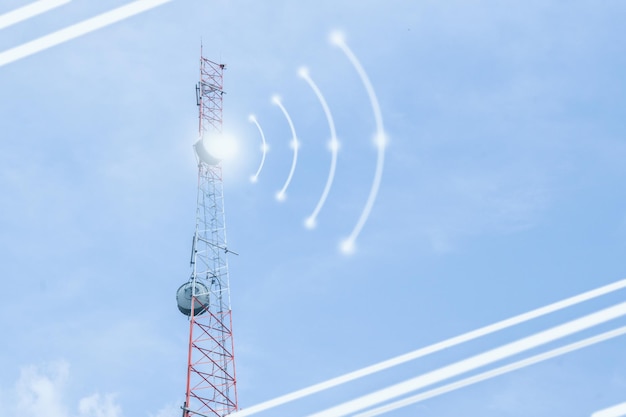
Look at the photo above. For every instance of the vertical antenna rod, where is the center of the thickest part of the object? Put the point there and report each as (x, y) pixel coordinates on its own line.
(205, 298)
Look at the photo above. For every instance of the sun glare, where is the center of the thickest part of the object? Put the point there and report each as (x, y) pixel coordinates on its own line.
(223, 147)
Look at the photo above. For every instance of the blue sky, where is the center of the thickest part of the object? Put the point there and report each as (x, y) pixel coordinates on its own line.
(502, 192)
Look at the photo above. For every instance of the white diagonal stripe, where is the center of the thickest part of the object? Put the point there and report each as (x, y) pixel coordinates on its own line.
(78, 29)
(615, 411)
(448, 343)
(474, 362)
(500, 371)
(30, 10)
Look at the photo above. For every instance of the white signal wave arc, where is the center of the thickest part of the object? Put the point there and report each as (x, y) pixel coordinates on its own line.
(501, 371)
(264, 148)
(30, 10)
(311, 221)
(380, 140)
(448, 343)
(77, 30)
(615, 411)
(474, 362)
(280, 196)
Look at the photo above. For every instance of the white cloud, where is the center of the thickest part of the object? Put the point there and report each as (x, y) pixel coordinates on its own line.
(99, 406)
(170, 410)
(42, 391)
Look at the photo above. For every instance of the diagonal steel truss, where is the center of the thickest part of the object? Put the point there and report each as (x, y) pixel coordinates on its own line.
(211, 382)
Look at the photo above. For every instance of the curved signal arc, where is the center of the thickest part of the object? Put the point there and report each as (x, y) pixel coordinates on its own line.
(380, 140)
(310, 221)
(281, 195)
(264, 147)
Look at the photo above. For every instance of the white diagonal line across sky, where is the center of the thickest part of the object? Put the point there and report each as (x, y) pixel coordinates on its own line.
(474, 362)
(30, 10)
(501, 371)
(615, 411)
(448, 343)
(78, 29)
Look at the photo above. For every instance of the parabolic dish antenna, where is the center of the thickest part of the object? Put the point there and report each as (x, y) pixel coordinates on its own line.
(184, 294)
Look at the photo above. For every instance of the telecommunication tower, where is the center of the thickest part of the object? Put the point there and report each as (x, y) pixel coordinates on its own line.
(205, 298)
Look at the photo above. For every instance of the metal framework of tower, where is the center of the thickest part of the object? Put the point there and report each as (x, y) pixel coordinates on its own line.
(211, 384)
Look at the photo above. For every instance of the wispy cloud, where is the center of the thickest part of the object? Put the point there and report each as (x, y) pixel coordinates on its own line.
(170, 410)
(42, 391)
(445, 208)
(99, 406)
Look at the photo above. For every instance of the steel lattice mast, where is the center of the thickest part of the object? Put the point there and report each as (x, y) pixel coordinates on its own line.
(211, 384)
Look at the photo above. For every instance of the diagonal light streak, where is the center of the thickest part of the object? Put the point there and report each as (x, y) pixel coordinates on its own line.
(615, 411)
(333, 145)
(77, 30)
(264, 148)
(380, 139)
(448, 343)
(474, 362)
(501, 371)
(280, 196)
(30, 10)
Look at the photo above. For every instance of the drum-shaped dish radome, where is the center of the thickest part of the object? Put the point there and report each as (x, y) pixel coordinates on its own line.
(184, 294)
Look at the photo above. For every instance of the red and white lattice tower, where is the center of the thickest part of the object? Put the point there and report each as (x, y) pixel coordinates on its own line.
(205, 298)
